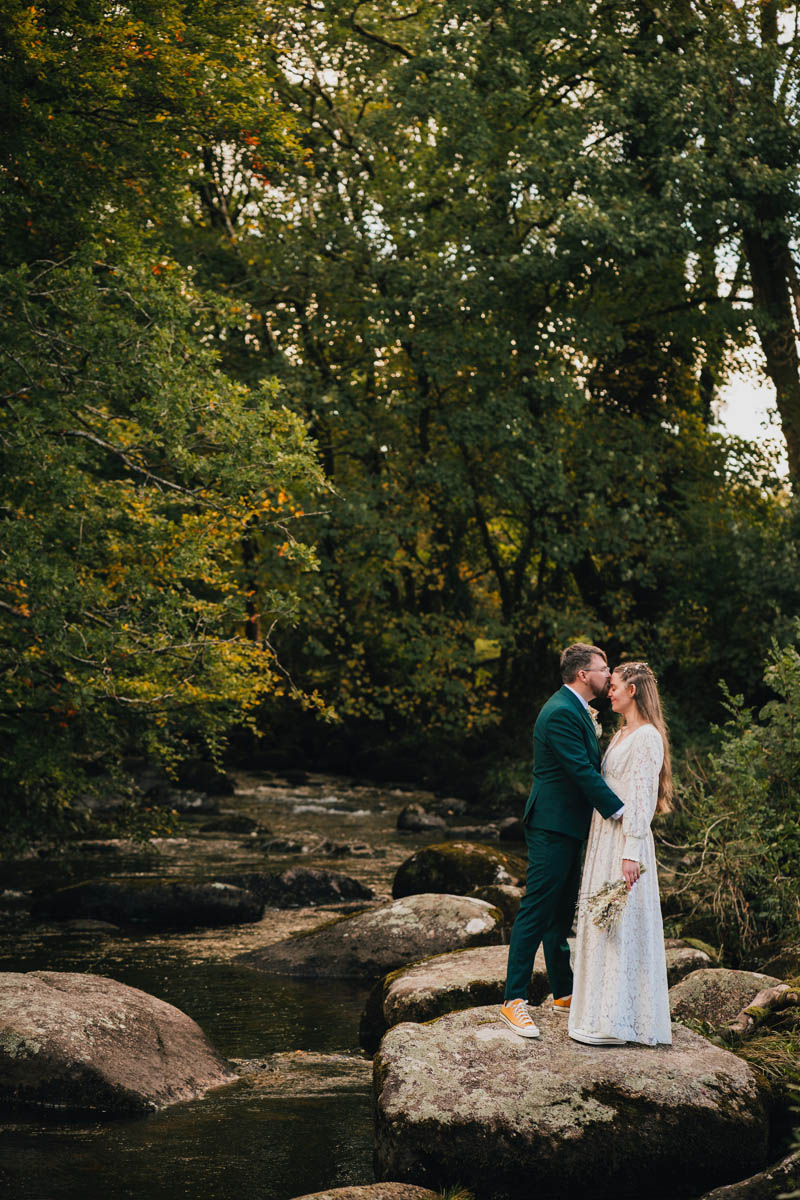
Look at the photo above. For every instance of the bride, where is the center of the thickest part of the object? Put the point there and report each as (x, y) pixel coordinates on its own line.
(620, 989)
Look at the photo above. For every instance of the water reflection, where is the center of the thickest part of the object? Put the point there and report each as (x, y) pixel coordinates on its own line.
(229, 1146)
(249, 1141)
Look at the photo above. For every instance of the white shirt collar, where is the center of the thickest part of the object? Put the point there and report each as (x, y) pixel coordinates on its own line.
(585, 703)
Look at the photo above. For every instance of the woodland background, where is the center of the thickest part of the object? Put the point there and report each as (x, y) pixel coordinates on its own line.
(358, 356)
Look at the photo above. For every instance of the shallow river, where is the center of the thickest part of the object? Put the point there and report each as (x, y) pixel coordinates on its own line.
(301, 1121)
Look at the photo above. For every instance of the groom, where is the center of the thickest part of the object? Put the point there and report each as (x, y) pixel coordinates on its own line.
(567, 784)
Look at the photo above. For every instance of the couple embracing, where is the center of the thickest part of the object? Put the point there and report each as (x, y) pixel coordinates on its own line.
(619, 990)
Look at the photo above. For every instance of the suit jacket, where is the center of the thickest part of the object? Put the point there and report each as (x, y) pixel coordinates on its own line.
(567, 782)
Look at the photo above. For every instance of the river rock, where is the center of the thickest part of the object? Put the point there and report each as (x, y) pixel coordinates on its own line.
(349, 850)
(161, 903)
(414, 819)
(87, 1043)
(375, 1191)
(86, 925)
(369, 944)
(300, 887)
(503, 896)
(773, 1184)
(465, 1098)
(444, 983)
(303, 1073)
(279, 845)
(683, 959)
(474, 833)
(235, 823)
(456, 868)
(187, 802)
(716, 995)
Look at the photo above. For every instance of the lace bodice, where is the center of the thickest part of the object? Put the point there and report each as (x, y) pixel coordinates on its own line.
(631, 767)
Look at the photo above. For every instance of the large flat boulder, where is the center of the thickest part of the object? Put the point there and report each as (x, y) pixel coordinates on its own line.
(716, 995)
(87, 1043)
(156, 902)
(457, 868)
(369, 944)
(444, 983)
(465, 1098)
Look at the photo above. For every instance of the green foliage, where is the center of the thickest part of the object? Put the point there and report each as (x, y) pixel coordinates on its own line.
(492, 258)
(106, 111)
(497, 285)
(743, 813)
(133, 474)
(148, 501)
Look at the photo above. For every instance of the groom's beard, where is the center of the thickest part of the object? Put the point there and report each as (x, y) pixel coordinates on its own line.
(600, 692)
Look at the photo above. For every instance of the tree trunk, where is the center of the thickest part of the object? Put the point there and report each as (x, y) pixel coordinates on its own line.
(768, 257)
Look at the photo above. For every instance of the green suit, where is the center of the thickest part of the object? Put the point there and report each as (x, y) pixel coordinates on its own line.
(567, 785)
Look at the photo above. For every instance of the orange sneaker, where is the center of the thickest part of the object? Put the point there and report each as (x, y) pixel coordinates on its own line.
(516, 1016)
(562, 1005)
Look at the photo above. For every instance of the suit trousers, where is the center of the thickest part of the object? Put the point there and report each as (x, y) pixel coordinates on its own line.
(546, 913)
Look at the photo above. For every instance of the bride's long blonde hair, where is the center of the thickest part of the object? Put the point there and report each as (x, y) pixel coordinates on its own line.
(648, 702)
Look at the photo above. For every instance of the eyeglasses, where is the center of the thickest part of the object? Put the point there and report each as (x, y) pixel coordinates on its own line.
(588, 670)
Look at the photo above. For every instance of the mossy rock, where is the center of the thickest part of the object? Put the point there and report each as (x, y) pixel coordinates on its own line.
(368, 944)
(443, 983)
(716, 995)
(503, 896)
(683, 957)
(464, 1098)
(457, 868)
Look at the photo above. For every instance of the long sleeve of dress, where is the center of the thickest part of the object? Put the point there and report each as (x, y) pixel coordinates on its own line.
(648, 755)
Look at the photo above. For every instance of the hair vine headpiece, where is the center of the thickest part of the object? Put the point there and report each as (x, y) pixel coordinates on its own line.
(636, 668)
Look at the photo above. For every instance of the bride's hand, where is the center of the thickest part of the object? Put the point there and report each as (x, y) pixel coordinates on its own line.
(630, 871)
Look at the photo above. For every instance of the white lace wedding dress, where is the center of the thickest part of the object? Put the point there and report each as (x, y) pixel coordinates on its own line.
(620, 987)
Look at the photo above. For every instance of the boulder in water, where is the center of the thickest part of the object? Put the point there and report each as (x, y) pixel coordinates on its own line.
(159, 903)
(414, 819)
(369, 944)
(87, 1043)
(457, 868)
(473, 833)
(300, 887)
(235, 823)
(444, 983)
(504, 896)
(465, 1098)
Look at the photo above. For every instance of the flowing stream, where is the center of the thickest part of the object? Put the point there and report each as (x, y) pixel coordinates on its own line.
(300, 1119)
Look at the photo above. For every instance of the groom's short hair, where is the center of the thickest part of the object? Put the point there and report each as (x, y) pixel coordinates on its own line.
(577, 658)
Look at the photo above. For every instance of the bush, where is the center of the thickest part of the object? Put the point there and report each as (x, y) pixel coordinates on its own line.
(742, 817)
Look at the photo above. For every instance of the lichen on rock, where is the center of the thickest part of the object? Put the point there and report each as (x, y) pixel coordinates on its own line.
(464, 1097)
(457, 868)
